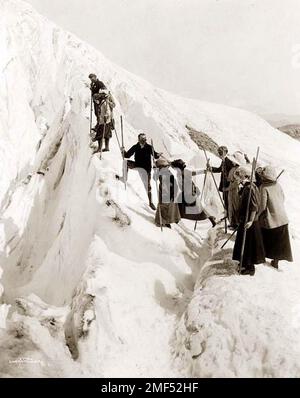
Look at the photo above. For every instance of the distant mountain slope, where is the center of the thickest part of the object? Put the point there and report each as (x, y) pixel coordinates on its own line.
(293, 130)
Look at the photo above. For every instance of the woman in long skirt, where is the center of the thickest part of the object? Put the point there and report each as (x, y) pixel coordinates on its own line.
(273, 218)
(167, 211)
(254, 252)
(238, 159)
(189, 193)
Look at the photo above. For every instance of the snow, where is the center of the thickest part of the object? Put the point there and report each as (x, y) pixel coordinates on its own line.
(92, 290)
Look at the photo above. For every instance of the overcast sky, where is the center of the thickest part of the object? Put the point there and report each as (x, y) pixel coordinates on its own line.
(236, 52)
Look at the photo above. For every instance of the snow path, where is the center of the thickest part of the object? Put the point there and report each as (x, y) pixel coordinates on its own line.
(237, 326)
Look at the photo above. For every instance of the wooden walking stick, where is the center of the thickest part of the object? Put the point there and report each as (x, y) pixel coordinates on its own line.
(91, 114)
(215, 183)
(247, 210)
(223, 173)
(124, 160)
(224, 244)
(280, 174)
(103, 135)
(204, 184)
(157, 189)
(118, 142)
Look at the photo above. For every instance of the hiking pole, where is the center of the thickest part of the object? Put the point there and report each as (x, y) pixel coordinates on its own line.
(118, 141)
(247, 209)
(103, 135)
(280, 174)
(204, 183)
(214, 180)
(91, 114)
(224, 244)
(157, 189)
(220, 197)
(124, 161)
(223, 172)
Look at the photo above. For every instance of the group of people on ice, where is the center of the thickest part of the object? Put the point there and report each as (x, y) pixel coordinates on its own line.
(252, 197)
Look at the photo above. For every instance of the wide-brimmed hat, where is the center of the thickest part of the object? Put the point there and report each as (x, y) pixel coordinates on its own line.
(243, 171)
(268, 173)
(162, 162)
(238, 158)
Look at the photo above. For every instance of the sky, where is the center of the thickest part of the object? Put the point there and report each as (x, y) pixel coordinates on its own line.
(243, 53)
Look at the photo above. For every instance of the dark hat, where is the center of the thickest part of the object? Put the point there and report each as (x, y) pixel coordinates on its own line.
(222, 149)
(92, 75)
(178, 163)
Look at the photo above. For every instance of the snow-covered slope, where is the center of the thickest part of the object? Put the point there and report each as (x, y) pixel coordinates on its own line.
(90, 287)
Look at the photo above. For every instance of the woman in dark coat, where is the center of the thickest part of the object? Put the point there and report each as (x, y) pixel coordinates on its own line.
(254, 252)
(167, 211)
(188, 208)
(273, 218)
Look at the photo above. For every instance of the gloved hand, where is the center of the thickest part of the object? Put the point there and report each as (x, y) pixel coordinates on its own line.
(248, 225)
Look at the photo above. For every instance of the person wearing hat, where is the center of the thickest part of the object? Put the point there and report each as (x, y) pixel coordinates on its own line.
(238, 159)
(143, 153)
(254, 252)
(167, 211)
(273, 218)
(189, 193)
(103, 129)
(224, 168)
(95, 87)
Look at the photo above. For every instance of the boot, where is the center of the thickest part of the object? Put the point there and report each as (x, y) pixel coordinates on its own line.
(152, 206)
(150, 201)
(213, 221)
(106, 149)
(248, 271)
(274, 264)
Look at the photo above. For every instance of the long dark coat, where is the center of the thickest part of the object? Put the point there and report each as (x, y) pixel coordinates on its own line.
(254, 252)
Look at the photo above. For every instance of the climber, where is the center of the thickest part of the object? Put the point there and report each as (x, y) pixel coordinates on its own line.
(188, 202)
(143, 153)
(233, 190)
(273, 218)
(224, 169)
(96, 86)
(254, 252)
(167, 212)
(104, 126)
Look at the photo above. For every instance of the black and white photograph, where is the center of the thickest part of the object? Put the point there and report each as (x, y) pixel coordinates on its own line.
(149, 181)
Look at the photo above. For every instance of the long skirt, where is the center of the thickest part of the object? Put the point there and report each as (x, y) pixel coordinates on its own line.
(277, 243)
(254, 252)
(169, 213)
(192, 214)
(233, 204)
